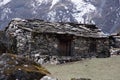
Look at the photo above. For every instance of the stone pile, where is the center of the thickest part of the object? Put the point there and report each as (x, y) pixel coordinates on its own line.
(45, 59)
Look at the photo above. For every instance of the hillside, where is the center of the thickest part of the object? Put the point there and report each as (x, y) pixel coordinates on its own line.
(104, 13)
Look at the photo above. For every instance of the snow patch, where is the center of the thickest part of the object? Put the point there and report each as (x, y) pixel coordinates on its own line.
(4, 2)
(39, 1)
(51, 15)
(54, 2)
(85, 10)
(42, 1)
(18, 19)
(5, 13)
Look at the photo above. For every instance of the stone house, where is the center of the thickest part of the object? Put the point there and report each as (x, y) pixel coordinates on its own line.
(58, 39)
(115, 40)
(115, 43)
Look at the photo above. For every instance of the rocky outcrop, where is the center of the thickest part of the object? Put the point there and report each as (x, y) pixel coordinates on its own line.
(13, 67)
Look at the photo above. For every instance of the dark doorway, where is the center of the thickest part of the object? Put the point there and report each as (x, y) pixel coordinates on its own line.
(65, 45)
(93, 46)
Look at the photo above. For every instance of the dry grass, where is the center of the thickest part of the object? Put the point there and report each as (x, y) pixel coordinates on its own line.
(96, 69)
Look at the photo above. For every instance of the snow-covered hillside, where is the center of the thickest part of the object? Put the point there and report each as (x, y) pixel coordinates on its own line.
(104, 13)
(4, 2)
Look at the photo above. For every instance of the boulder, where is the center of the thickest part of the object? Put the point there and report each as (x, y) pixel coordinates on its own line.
(48, 78)
(13, 67)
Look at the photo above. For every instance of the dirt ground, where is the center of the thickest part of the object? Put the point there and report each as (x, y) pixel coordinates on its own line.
(95, 69)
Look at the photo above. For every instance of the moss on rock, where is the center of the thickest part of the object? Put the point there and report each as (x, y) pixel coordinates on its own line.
(13, 67)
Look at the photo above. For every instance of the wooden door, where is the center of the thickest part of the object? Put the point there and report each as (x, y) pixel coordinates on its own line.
(65, 48)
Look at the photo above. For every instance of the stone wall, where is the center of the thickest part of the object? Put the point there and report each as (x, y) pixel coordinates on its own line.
(7, 43)
(23, 39)
(29, 43)
(81, 46)
(47, 44)
(103, 47)
(92, 47)
(44, 44)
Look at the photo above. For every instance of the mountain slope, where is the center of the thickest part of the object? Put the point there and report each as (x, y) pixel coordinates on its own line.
(105, 14)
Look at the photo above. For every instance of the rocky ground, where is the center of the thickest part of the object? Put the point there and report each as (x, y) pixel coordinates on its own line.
(13, 67)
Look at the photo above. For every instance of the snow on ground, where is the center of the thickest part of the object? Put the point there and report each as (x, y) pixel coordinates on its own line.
(85, 10)
(4, 2)
(54, 2)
